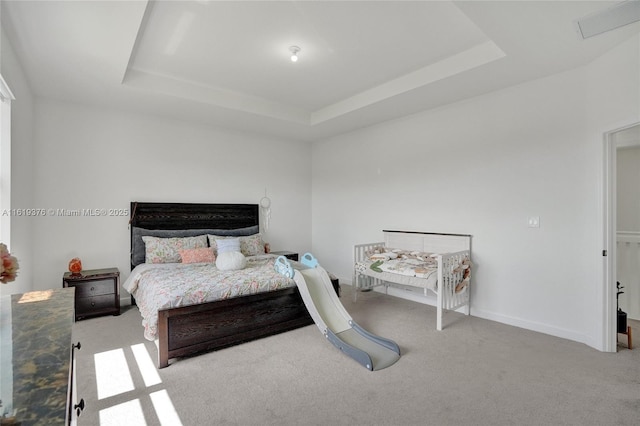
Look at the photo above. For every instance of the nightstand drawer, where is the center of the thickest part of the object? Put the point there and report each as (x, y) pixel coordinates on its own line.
(94, 288)
(92, 305)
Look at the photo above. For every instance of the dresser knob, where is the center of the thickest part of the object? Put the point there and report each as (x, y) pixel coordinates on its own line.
(93, 288)
(79, 407)
(76, 346)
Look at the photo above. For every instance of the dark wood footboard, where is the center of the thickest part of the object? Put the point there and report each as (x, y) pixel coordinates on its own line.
(189, 330)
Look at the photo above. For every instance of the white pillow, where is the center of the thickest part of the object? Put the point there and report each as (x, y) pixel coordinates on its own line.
(229, 256)
(250, 245)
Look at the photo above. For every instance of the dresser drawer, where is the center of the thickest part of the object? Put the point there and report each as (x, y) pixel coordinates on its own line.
(95, 304)
(94, 288)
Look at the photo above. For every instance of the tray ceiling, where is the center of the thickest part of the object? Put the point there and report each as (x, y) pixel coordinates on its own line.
(227, 62)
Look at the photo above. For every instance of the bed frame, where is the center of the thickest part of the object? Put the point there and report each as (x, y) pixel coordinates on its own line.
(188, 330)
(453, 248)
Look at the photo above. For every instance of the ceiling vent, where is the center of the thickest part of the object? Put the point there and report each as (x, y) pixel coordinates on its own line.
(617, 16)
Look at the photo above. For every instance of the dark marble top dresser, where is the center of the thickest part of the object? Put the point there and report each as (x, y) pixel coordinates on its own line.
(40, 324)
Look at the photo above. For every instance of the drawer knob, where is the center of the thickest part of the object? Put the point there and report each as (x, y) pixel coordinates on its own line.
(93, 288)
(77, 346)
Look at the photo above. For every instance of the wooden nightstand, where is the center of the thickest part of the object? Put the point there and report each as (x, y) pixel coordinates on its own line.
(97, 291)
(288, 254)
(336, 283)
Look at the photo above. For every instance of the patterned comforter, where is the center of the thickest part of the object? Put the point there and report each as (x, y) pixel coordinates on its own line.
(159, 286)
(416, 269)
(399, 271)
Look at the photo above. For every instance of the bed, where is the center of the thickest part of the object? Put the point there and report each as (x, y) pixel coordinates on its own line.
(429, 262)
(245, 309)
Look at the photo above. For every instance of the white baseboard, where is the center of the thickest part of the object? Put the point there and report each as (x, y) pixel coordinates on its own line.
(551, 330)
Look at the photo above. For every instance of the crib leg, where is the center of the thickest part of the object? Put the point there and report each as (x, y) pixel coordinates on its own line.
(354, 287)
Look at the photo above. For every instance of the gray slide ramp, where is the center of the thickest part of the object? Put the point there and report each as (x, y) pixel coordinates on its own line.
(335, 323)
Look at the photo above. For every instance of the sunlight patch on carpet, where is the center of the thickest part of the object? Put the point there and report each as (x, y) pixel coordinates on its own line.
(128, 413)
(145, 365)
(112, 373)
(164, 409)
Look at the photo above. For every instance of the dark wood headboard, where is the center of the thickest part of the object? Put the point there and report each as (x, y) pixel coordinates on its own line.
(186, 216)
(193, 216)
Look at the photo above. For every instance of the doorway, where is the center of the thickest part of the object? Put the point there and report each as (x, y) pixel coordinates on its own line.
(619, 144)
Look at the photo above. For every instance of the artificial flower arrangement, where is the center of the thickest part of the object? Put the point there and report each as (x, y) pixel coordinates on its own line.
(9, 266)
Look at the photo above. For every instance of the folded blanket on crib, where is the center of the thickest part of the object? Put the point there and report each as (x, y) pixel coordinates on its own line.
(412, 268)
(402, 262)
(409, 267)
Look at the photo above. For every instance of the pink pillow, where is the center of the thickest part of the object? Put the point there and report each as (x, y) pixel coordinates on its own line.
(198, 255)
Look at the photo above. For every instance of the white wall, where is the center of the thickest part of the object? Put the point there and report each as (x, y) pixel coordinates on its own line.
(21, 166)
(87, 157)
(481, 167)
(628, 196)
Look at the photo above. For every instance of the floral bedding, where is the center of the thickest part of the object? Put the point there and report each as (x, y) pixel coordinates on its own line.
(416, 269)
(168, 285)
(411, 268)
(397, 261)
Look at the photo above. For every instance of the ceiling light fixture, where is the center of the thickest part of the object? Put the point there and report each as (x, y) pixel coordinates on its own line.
(294, 53)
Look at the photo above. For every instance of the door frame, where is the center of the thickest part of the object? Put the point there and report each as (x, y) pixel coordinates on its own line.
(609, 323)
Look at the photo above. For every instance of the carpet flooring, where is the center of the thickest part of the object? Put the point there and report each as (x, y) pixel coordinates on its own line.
(475, 372)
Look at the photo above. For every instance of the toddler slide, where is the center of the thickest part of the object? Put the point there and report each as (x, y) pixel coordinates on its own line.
(314, 284)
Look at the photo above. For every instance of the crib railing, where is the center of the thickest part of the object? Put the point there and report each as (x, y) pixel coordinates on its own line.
(452, 276)
(628, 271)
(364, 282)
